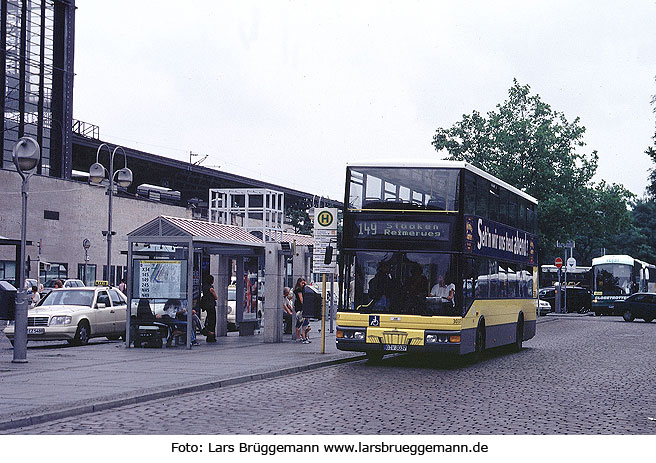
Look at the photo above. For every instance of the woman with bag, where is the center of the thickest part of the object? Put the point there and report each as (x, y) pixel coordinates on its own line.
(208, 304)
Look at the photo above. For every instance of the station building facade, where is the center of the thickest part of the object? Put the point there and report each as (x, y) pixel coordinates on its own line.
(64, 208)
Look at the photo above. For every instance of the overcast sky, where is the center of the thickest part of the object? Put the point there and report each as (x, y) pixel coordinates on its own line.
(289, 91)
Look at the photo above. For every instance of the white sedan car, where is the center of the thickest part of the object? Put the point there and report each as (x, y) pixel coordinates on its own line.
(76, 315)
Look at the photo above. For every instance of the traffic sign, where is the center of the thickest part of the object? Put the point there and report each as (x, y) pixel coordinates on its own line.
(571, 264)
(325, 234)
(559, 262)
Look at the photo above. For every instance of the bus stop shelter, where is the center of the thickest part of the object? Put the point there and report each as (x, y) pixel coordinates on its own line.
(168, 258)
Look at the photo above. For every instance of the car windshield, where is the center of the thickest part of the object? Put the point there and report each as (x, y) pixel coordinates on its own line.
(74, 297)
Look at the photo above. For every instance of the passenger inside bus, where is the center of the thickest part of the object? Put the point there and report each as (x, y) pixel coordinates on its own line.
(416, 289)
(383, 287)
(401, 284)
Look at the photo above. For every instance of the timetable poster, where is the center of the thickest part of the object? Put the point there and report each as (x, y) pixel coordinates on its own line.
(161, 279)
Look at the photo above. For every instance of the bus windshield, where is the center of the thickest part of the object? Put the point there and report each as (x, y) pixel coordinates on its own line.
(613, 279)
(413, 283)
(403, 188)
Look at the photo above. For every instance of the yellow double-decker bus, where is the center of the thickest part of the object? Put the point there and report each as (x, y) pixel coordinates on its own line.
(436, 257)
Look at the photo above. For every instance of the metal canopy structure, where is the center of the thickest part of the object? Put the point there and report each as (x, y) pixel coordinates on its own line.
(260, 211)
(165, 246)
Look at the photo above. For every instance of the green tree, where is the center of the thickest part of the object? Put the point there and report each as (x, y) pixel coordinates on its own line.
(297, 215)
(637, 241)
(651, 152)
(535, 148)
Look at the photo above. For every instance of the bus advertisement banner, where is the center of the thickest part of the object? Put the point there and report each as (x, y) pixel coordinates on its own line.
(488, 238)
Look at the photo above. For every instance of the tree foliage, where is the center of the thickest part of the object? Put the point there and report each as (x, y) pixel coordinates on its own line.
(536, 149)
(651, 152)
(297, 215)
(638, 240)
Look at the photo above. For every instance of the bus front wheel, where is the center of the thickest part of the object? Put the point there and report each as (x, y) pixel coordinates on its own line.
(519, 335)
(479, 342)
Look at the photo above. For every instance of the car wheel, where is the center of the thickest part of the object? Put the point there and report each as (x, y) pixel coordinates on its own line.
(648, 319)
(519, 335)
(628, 316)
(374, 357)
(82, 334)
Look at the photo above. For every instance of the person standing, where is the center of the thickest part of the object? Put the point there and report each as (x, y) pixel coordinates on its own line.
(288, 308)
(35, 296)
(208, 304)
(122, 286)
(302, 324)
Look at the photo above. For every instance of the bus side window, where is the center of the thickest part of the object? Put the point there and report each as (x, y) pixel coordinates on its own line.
(481, 284)
(469, 280)
(493, 274)
(482, 197)
(470, 194)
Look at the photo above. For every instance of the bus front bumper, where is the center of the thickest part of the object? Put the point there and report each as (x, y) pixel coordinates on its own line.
(356, 339)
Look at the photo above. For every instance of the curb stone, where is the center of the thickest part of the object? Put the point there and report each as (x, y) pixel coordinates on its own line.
(149, 396)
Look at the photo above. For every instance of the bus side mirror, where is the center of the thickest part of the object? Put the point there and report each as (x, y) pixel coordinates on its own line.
(328, 257)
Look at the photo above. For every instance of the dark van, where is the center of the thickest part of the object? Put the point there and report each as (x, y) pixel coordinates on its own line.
(579, 300)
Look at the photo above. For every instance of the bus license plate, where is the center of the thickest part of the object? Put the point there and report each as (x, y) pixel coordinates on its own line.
(395, 347)
(36, 330)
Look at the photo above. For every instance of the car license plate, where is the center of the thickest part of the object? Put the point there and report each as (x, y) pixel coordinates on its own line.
(36, 330)
(395, 347)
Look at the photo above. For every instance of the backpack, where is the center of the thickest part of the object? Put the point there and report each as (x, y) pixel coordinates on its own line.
(207, 302)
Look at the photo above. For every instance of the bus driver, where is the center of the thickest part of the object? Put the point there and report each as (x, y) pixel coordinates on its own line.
(441, 289)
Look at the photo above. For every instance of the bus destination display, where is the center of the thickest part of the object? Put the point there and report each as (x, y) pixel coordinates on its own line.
(394, 229)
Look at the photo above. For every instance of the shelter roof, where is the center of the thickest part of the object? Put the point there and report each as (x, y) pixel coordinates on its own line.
(301, 240)
(198, 230)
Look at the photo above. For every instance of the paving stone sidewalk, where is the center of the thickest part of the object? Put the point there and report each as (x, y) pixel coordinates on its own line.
(61, 381)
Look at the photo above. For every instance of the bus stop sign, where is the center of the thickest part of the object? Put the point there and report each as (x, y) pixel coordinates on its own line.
(559, 262)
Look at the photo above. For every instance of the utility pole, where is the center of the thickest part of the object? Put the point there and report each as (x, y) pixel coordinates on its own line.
(570, 244)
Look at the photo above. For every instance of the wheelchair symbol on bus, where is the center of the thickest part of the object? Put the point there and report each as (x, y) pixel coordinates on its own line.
(374, 320)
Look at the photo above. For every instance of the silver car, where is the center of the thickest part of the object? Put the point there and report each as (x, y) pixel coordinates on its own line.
(76, 315)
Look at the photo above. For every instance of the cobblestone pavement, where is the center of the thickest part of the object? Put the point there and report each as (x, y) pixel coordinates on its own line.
(577, 376)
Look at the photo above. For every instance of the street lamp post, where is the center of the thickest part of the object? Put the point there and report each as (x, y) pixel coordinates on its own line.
(86, 244)
(26, 156)
(123, 177)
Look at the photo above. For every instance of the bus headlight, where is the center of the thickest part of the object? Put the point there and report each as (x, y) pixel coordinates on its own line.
(352, 335)
(442, 338)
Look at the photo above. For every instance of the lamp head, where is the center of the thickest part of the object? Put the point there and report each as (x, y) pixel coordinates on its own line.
(27, 154)
(96, 172)
(124, 177)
